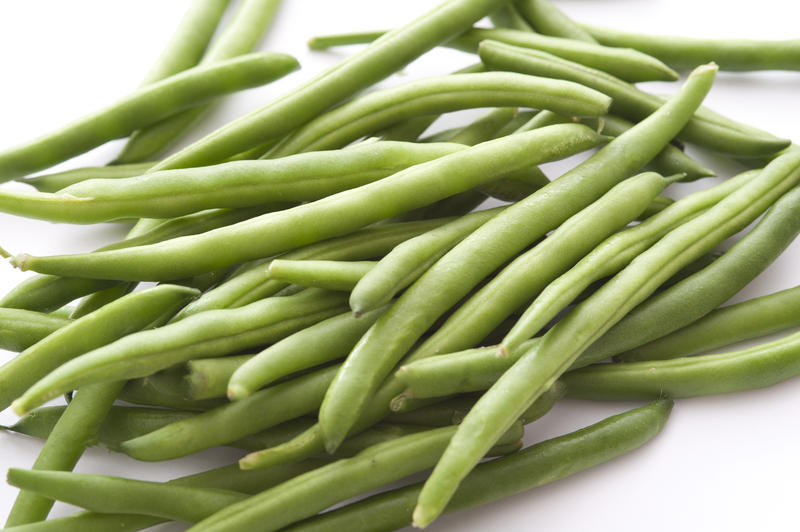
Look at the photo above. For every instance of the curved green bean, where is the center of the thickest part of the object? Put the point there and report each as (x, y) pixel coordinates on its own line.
(20, 329)
(702, 292)
(145, 106)
(148, 308)
(207, 334)
(534, 466)
(749, 319)
(332, 216)
(704, 129)
(748, 369)
(322, 342)
(239, 37)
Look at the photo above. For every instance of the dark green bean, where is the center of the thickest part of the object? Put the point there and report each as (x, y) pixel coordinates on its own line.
(704, 129)
(333, 216)
(167, 389)
(145, 106)
(534, 466)
(749, 319)
(20, 329)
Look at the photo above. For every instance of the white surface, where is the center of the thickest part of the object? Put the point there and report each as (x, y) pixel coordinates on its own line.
(722, 463)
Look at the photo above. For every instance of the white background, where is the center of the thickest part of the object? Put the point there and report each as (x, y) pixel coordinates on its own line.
(722, 463)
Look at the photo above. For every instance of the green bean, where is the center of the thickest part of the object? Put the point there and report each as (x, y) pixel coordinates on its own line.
(166, 389)
(323, 342)
(254, 284)
(547, 19)
(46, 293)
(509, 16)
(240, 37)
(131, 313)
(203, 335)
(377, 61)
(236, 184)
(307, 494)
(699, 294)
(562, 344)
(379, 109)
(108, 494)
(227, 477)
(20, 329)
(408, 260)
(207, 378)
(671, 160)
(231, 421)
(70, 436)
(333, 216)
(749, 319)
(703, 129)
(407, 130)
(330, 274)
(748, 369)
(613, 255)
(505, 235)
(685, 52)
(485, 127)
(451, 207)
(55, 182)
(145, 106)
(323, 42)
(101, 298)
(534, 466)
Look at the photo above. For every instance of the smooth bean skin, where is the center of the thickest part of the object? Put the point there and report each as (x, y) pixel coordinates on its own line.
(320, 343)
(547, 19)
(749, 319)
(329, 274)
(326, 218)
(534, 466)
(145, 106)
(127, 315)
(254, 283)
(46, 293)
(704, 129)
(20, 329)
(505, 235)
(613, 255)
(408, 260)
(697, 295)
(236, 184)
(240, 37)
(307, 494)
(684, 53)
(748, 369)
(379, 109)
(231, 421)
(56, 181)
(204, 335)
(562, 344)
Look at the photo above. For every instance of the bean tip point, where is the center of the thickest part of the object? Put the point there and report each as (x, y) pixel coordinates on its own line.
(502, 351)
(237, 393)
(20, 261)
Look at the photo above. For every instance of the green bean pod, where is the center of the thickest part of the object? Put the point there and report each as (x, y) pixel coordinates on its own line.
(207, 378)
(702, 292)
(703, 129)
(56, 181)
(562, 344)
(408, 260)
(207, 334)
(509, 16)
(323, 342)
(748, 369)
(332, 216)
(329, 274)
(436, 95)
(166, 389)
(20, 329)
(611, 256)
(307, 494)
(684, 53)
(143, 107)
(239, 37)
(127, 315)
(382, 58)
(46, 293)
(505, 235)
(547, 19)
(231, 421)
(749, 319)
(534, 466)
(237, 184)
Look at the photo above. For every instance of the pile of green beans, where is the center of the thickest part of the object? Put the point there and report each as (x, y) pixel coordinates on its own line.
(335, 301)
